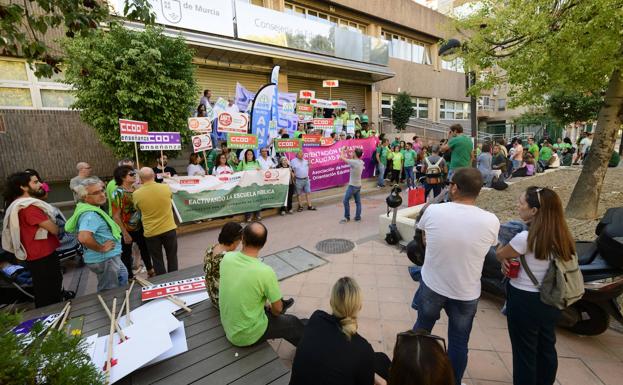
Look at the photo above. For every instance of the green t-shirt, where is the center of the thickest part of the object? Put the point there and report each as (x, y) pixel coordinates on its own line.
(246, 166)
(410, 157)
(365, 134)
(534, 150)
(344, 117)
(396, 158)
(383, 154)
(110, 188)
(245, 285)
(364, 118)
(546, 154)
(461, 147)
(211, 158)
(297, 134)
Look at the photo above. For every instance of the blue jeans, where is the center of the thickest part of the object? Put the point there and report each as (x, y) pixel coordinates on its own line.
(409, 176)
(380, 174)
(460, 319)
(110, 274)
(352, 191)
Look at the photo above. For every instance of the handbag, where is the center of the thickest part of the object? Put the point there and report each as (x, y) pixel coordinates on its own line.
(563, 284)
(416, 196)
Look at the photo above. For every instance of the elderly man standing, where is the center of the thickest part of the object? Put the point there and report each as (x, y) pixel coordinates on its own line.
(154, 201)
(84, 171)
(99, 234)
(300, 166)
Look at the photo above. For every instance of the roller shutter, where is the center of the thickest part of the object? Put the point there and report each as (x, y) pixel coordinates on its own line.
(222, 83)
(353, 94)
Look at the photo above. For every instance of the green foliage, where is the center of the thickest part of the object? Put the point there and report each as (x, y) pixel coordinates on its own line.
(132, 75)
(23, 26)
(58, 359)
(541, 45)
(574, 107)
(542, 118)
(402, 110)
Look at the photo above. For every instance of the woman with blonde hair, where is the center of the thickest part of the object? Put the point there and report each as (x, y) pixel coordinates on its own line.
(331, 351)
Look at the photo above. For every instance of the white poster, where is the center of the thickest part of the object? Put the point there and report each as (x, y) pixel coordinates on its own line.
(211, 16)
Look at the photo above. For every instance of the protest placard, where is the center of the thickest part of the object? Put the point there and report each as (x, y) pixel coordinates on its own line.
(311, 139)
(133, 130)
(330, 83)
(176, 287)
(241, 141)
(220, 105)
(305, 112)
(158, 141)
(350, 126)
(234, 122)
(201, 142)
(321, 103)
(338, 125)
(288, 145)
(322, 123)
(338, 104)
(200, 124)
(307, 94)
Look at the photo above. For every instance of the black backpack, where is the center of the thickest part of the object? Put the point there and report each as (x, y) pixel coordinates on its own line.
(498, 183)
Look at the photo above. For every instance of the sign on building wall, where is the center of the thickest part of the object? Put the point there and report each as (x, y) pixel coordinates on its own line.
(211, 16)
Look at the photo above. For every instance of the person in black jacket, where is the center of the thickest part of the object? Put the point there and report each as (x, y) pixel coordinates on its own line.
(331, 352)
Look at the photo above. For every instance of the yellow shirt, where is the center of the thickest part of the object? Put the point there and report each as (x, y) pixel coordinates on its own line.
(154, 201)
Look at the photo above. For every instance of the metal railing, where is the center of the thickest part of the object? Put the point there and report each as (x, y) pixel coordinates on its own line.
(422, 127)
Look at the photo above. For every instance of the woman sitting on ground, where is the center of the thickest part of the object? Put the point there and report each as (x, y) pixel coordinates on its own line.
(194, 166)
(331, 351)
(484, 161)
(228, 240)
(499, 161)
(527, 168)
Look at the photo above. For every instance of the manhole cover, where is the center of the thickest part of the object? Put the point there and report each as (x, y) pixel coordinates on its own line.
(335, 246)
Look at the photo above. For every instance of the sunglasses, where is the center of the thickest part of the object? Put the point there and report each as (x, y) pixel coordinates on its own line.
(418, 335)
(132, 173)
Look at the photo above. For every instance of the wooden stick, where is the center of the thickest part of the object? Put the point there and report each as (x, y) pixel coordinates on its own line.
(138, 167)
(125, 303)
(56, 321)
(143, 282)
(62, 324)
(110, 339)
(117, 327)
(128, 320)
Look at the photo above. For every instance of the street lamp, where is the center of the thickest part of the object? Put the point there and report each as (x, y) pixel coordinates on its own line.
(450, 50)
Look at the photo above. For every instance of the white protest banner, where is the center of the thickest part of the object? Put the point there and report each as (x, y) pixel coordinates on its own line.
(133, 130)
(159, 141)
(338, 104)
(330, 83)
(201, 142)
(176, 287)
(320, 103)
(350, 126)
(200, 124)
(234, 122)
(307, 94)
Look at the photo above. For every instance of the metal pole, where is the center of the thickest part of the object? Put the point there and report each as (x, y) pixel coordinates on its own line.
(471, 76)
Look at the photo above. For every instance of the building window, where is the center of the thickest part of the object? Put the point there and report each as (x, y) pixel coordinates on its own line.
(501, 104)
(20, 88)
(449, 110)
(420, 106)
(324, 18)
(453, 65)
(404, 48)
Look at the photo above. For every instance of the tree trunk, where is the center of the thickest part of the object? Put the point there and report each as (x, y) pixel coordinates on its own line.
(584, 201)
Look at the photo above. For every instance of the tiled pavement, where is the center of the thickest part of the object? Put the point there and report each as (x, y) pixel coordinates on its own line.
(381, 271)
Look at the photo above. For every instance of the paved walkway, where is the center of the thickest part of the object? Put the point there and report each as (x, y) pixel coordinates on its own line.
(381, 271)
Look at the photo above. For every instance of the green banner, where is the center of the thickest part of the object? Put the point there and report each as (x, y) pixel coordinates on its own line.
(197, 198)
(241, 141)
(288, 145)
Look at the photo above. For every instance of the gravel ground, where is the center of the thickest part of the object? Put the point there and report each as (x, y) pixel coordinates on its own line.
(504, 203)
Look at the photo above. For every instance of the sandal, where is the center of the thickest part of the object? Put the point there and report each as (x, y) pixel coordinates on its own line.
(312, 208)
(299, 209)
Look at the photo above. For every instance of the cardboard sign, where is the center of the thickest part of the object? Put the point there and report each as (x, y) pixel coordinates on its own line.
(330, 83)
(311, 139)
(338, 104)
(200, 124)
(133, 130)
(235, 122)
(305, 112)
(162, 141)
(288, 145)
(323, 123)
(321, 103)
(173, 288)
(338, 125)
(307, 94)
(201, 142)
(242, 141)
(350, 126)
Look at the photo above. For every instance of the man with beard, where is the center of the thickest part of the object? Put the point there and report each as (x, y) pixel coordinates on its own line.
(29, 232)
(457, 235)
(161, 170)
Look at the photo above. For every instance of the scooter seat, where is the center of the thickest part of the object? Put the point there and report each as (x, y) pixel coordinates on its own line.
(599, 269)
(586, 252)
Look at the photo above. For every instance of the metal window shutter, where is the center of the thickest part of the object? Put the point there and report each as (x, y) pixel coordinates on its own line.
(222, 83)
(353, 94)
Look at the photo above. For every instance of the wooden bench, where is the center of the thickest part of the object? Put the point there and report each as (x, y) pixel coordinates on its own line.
(210, 358)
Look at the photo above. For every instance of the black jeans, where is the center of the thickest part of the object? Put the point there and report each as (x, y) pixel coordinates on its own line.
(395, 176)
(47, 280)
(285, 326)
(435, 187)
(126, 251)
(532, 330)
(155, 244)
(288, 205)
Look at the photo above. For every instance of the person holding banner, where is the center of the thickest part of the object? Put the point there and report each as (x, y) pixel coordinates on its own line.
(250, 164)
(354, 183)
(161, 170)
(194, 166)
(221, 167)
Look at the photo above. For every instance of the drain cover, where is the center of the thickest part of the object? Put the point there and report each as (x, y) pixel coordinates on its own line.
(335, 246)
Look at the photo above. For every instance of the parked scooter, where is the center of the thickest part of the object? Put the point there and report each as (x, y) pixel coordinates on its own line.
(601, 263)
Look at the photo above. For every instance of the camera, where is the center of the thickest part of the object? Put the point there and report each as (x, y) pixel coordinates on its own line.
(394, 199)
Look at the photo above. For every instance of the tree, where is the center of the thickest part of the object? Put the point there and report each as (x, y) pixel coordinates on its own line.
(573, 107)
(135, 75)
(537, 46)
(402, 110)
(23, 25)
